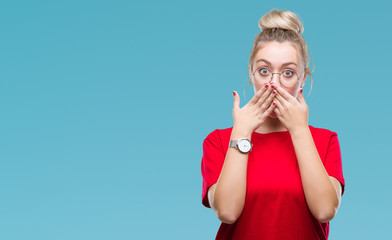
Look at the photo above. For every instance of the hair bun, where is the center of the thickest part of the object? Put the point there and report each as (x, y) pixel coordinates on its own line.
(281, 19)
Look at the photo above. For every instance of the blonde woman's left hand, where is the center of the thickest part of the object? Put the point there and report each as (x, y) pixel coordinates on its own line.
(292, 113)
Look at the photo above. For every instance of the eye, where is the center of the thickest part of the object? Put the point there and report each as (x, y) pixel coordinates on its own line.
(288, 73)
(264, 71)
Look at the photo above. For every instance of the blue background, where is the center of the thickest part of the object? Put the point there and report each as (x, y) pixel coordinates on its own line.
(105, 104)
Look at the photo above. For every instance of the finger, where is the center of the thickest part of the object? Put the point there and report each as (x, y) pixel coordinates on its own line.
(284, 93)
(263, 104)
(270, 109)
(276, 110)
(259, 93)
(300, 97)
(280, 101)
(265, 95)
(236, 100)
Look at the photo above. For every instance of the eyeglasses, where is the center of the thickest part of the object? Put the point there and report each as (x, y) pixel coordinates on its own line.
(287, 78)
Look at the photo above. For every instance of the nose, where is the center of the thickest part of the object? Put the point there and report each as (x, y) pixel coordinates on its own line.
(275, 78)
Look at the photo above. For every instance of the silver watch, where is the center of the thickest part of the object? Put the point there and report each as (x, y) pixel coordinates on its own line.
(243, 145)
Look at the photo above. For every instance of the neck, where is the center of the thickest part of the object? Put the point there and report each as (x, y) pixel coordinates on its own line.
(271, 125)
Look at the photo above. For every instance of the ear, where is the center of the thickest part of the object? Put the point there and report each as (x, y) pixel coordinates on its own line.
(303, 80)
(250, 74)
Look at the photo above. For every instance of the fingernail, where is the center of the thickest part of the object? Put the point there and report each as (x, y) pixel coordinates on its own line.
(301, 90)
(233, 93)
(274, 92)
(272, 85)
(274, 103)
(266, 86)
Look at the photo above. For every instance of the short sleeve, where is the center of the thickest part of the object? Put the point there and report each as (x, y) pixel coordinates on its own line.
(211, 163)
(333, 161)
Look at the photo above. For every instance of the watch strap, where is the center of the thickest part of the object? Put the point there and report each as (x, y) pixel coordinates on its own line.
(233, 143)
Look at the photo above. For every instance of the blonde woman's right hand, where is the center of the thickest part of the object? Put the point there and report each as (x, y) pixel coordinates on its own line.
(251, 116)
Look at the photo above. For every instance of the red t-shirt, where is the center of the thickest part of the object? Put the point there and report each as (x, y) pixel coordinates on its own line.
(275, 205)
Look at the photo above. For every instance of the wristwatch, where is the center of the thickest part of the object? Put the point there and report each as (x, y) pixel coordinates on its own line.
(243, 145)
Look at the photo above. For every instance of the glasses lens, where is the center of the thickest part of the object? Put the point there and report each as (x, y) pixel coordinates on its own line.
(262, 75)
(288, 78)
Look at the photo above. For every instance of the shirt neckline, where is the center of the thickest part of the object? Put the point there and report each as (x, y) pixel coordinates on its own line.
(272, 133)
(275, 133)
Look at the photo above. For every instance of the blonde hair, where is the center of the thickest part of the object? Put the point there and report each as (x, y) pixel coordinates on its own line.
(282, 26)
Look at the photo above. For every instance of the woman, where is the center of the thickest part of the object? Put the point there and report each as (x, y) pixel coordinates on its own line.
(272, 176)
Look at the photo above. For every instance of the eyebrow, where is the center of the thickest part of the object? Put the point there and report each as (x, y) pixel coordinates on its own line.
(284, 64)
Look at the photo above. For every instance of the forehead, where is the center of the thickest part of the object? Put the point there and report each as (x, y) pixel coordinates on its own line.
(277, 53)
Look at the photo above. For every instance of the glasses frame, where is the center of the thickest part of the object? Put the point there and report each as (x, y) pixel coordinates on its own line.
(272, 76)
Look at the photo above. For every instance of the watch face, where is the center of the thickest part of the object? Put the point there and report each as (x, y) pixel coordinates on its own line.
(244, 145)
